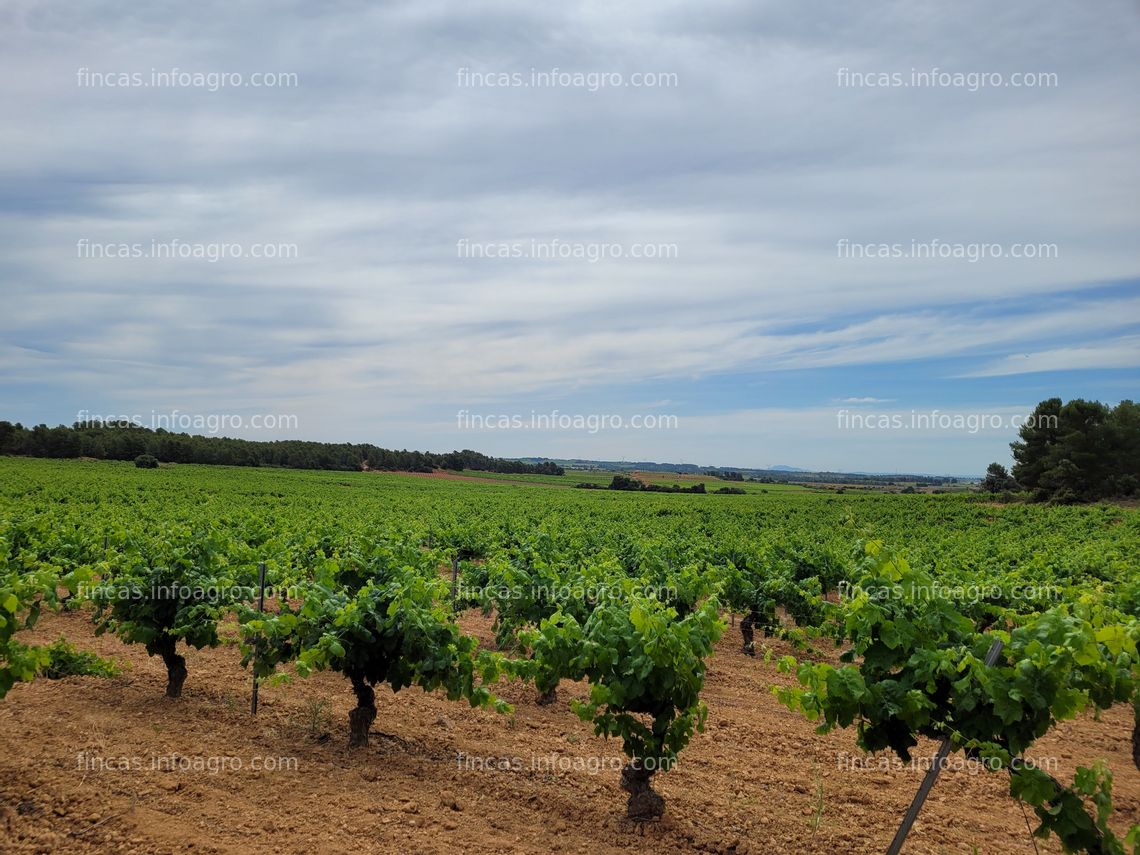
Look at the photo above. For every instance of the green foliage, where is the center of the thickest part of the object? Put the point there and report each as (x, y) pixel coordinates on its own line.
(173, 587)
(1080, 451)
(366, 561)
(920, 672)
(1062, 810)
(65, 660)
(789, 576)
(997, 479)
(645, 667)
(626, 482)
(170, 587)
(375, 621)
(126, 440)
(27, 586)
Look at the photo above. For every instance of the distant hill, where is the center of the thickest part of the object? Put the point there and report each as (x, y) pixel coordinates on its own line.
(774, 473)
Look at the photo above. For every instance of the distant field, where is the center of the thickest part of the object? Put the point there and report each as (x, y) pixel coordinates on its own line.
(712, 483)
(571, 477)
(368, 537)
(604, 477)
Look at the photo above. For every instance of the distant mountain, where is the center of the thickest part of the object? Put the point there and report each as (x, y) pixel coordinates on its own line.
(786, 469)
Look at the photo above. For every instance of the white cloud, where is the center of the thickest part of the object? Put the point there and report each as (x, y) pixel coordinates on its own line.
(1122, 352)
(755, 165)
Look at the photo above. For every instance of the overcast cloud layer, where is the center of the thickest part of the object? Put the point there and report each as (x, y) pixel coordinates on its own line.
(386, 166)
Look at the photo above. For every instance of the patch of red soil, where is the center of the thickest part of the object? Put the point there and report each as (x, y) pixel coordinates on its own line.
(444, 475)
(670, 477)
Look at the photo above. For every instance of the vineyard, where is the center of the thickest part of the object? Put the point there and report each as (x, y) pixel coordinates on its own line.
(509, 666)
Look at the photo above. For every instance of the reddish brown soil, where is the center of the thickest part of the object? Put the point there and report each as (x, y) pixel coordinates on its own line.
(669, 477)
(444, 475)
(440, 474)
(758, 780)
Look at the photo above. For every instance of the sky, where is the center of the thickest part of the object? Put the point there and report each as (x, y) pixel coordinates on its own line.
(861, 237)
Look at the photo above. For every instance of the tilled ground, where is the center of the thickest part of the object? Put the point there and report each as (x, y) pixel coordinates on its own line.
(92, 765)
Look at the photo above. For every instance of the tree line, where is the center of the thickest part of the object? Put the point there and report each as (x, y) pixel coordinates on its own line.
(128, 441)
(626, 482)
(1080, 451)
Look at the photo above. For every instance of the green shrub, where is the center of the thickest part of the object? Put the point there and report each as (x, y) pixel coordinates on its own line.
(68, 661)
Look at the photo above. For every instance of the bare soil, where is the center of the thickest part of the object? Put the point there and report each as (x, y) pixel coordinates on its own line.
(444, 475)
(91, 765)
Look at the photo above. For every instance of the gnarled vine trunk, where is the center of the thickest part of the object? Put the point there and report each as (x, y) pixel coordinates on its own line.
(175, 666)
(1136, 735)
(361, 718)
(548, 697)
(748, 632)
(644, 802)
